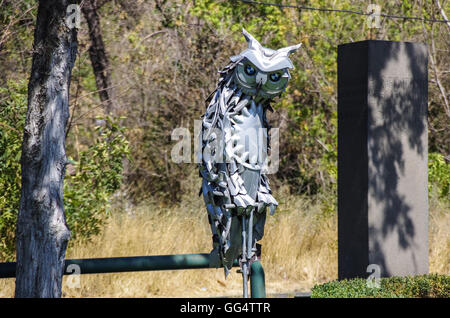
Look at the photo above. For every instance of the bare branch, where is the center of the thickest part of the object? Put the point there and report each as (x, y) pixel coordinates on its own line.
(441, 10)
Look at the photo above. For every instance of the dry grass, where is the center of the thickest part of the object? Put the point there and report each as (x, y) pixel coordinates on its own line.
(296, 252)
(299, 251)
(439, 238)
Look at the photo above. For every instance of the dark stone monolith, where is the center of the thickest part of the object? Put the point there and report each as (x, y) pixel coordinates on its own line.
(382, 158)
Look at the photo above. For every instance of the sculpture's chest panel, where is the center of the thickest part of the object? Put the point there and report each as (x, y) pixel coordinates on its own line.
(246, 138)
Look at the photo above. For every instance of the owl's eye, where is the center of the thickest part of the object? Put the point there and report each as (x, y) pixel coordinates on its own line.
(275, 77)
(249, 70)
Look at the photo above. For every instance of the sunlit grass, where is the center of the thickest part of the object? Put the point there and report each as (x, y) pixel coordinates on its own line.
(299, 250)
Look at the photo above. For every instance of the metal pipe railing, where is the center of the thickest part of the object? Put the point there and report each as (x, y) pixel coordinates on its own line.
(257, 281)
(148, 263)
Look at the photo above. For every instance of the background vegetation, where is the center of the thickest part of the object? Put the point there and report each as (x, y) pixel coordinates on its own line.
(421, 286)
(163, 58)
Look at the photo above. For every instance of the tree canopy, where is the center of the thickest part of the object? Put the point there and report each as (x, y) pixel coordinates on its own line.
(162, 60)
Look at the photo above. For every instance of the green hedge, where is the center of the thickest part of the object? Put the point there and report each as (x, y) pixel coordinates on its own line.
(431, 285)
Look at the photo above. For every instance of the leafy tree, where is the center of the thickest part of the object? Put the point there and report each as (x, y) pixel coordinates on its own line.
(439, 176)
(90, 182)
(163, 62)
(13, 106)
(95, 177)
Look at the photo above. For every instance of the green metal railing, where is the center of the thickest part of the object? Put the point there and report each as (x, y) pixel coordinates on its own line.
(149, 263)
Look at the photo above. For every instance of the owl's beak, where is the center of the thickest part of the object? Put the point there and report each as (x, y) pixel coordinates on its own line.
(261, 78)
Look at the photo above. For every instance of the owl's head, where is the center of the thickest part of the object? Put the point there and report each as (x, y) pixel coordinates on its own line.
(262, 71)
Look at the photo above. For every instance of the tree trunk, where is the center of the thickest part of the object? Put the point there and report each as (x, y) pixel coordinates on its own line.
(42, 232)
(97, 54)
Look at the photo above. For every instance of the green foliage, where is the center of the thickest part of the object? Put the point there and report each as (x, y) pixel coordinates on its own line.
(95, 177)
(13, 106)
(16, 19)
(421, 286)
(439, 175)
(88, 187)
(164, 58)
(309, 125)
(308, 150)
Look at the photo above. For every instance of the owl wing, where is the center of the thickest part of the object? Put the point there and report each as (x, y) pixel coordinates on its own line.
(225, 185)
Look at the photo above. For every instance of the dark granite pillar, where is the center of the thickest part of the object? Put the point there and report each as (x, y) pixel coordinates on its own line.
(382, 158)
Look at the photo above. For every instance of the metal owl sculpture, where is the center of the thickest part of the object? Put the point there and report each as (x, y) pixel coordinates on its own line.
(234, 142)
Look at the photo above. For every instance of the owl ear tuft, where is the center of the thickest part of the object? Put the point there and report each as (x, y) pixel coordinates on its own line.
(286, 51)
(292, 49)
(252, 42)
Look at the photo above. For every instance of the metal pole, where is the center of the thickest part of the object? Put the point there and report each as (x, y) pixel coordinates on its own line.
(244, 259)
(149, 263)
(250, 236)
(127, 264)
(257, 281)
(7, 270)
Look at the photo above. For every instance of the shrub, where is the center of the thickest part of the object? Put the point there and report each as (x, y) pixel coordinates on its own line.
(420, 286)
(13, 107)
(97, 176)
(87, 191)
(439, 175)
